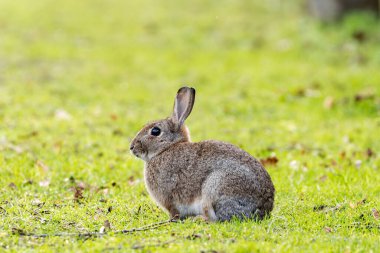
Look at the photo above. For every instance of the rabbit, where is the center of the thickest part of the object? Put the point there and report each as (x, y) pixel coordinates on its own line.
(211, 179)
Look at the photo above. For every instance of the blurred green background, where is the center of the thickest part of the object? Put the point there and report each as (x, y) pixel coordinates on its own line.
(78, 79)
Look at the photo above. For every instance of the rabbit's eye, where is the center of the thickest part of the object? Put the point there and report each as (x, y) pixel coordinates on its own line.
(155, 131)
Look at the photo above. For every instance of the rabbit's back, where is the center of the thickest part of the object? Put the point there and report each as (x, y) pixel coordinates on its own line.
(187, 172)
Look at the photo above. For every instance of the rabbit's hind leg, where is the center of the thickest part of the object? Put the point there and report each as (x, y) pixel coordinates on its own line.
(242, 208)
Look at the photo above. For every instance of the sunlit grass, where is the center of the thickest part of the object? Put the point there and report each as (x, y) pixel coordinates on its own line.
(79, 78)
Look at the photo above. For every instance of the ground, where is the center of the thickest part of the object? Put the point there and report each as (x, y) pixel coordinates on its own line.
(79, 78)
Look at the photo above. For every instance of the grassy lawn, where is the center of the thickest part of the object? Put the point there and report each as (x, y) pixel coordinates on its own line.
(79, 78)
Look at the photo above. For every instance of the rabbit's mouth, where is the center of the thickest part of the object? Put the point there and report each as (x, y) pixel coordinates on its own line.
(139, 154)
(143, 156)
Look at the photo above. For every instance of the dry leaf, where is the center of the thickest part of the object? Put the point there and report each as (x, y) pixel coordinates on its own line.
(28, 182)
(12, 185)
(320, 207)
(105, 191)
(18, 231)
(57, 146)
(375, 213)
(81, 185)
(358, 163)
(15, 148)
(364, 95)
(78, 193)
(359, 36)
(37, 202)
(107, 224)
(30, 134)
(61, 114)
(42, 166)
(361, 202)
(194, 236)
(370, 153)
(269, 161)
(329, 102)
(132, 181)
(327, 208)
(114, 116)
(294, 164)
(44, 183)
(328, 230)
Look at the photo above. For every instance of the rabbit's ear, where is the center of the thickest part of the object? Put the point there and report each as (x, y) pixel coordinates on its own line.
(183, 104)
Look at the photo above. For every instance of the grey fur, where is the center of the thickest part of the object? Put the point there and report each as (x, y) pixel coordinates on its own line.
(210, 178)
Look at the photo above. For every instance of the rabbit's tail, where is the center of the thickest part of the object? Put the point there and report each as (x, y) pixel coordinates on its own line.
(242, 208)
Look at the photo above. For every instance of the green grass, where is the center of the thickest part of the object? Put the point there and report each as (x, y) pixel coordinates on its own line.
(79, 78)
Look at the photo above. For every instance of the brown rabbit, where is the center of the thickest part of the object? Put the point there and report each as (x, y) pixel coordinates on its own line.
(210, 178)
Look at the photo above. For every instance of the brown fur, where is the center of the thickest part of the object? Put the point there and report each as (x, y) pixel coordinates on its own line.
(214, 179)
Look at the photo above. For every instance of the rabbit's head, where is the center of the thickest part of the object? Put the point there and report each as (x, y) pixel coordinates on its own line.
(157, 136)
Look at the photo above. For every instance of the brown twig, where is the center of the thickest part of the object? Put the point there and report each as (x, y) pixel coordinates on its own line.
(147, 227)
(159, 244)
(96, 234)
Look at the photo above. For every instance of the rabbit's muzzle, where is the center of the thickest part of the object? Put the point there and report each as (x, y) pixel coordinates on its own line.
(137, 149)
